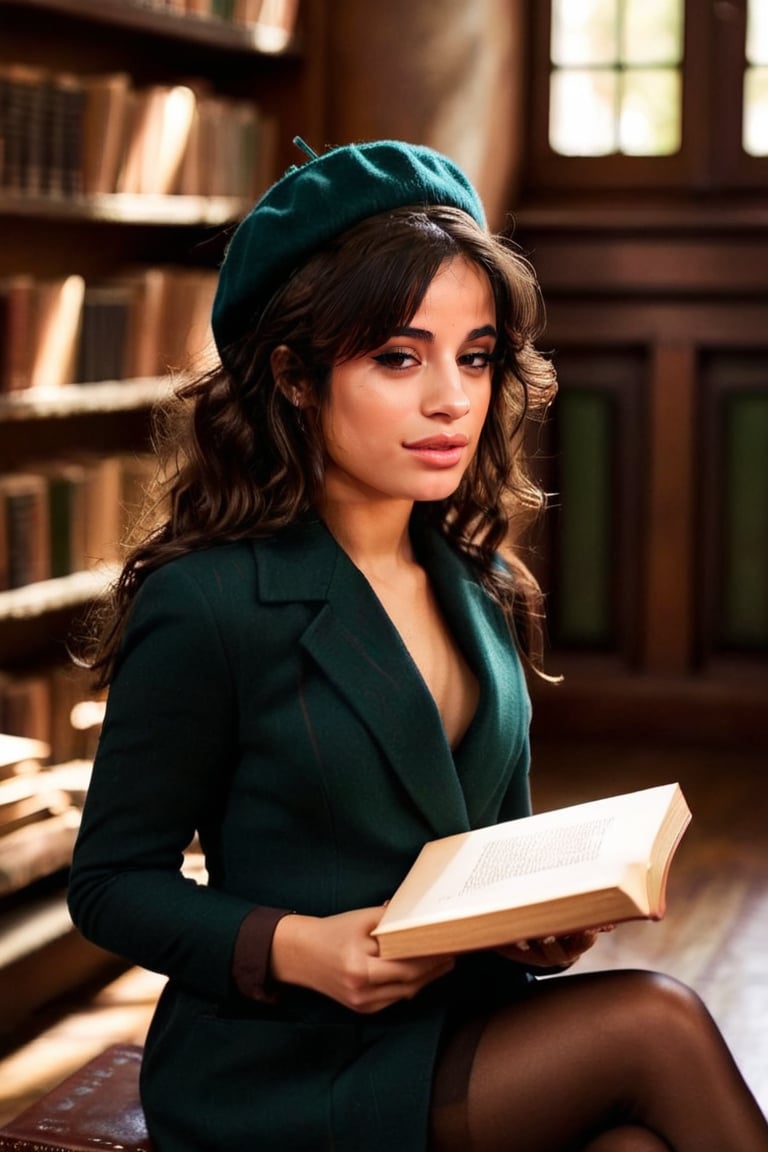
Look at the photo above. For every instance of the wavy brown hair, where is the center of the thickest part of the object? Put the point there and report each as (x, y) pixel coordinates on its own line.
(238, 459)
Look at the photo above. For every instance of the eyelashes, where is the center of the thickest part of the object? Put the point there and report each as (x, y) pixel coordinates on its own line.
(399, 359)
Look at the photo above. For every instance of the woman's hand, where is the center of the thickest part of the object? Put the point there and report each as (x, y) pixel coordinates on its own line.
(553, 951)
(337, 955)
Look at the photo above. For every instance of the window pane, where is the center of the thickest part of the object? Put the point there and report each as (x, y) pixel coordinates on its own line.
(757, 32)
(756, 112)
(652, 32)
(650, 112)
(744, 618)
(582, 114)
(615, 83)
(584, 32)
(587, 544)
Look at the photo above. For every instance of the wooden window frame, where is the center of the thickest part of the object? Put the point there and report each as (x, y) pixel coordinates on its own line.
(711, 158)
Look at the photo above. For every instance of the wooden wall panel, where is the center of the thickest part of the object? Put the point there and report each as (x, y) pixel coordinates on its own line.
(446, 73)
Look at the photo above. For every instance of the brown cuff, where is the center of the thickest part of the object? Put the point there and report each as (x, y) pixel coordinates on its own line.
(250, 963)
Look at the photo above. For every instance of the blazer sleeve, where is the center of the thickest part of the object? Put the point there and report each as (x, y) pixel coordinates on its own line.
(165, 757)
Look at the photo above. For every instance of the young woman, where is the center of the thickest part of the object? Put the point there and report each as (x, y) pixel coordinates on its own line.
(315, 665)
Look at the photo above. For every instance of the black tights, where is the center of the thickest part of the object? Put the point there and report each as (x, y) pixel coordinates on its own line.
(604, 1062)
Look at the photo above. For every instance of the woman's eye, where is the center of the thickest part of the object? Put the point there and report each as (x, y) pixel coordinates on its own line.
(479, 359)
(395, 359)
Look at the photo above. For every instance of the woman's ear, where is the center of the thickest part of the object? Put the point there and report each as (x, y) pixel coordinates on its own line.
(290, 376)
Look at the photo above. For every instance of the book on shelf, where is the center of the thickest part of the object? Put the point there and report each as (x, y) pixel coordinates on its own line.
(67, 516)
(42, 524)
(185, 330)
(66, 136)
(22, 120)
(39, 331)
(274, 21)
(62, 136)
(103, 521)
(143, 322)
(271, 13)
(73, 778)
(138, 472)
(169, 319)
(71, 691)
(37, 850)
(56, 314)
(16, 336)
(25, 711)
(40, 123)
(160, 119)
(102, 349)
(147, 288)
(39, 813)
(28, 799)
(21, 753)
(105, 110)
(53, 712)
(25, 541)
(551, 874)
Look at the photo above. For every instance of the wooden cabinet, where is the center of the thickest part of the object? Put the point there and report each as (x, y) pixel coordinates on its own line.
(655, 557)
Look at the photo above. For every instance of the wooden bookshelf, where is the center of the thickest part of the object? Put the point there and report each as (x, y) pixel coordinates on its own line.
(105, 239)
(151, 19)
(128, 209)
(90, 236)
(72, 400)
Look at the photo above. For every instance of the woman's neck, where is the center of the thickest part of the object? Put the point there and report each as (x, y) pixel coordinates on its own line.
(374, 536)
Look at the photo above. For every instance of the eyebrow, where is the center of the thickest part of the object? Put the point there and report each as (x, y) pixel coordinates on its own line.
(425, 334)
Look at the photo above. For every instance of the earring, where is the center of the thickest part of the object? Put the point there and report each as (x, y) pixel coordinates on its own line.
(296, 400)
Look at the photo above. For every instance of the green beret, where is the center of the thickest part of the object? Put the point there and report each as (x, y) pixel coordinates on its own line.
(313, 203)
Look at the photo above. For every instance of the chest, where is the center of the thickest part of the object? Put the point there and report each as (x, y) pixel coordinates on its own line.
(422, 627)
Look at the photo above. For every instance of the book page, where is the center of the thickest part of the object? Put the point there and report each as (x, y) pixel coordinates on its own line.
(523, 855)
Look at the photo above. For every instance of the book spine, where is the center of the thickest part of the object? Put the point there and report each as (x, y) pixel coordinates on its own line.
(25, 518)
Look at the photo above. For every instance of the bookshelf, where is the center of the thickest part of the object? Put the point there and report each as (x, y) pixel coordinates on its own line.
(124, 251)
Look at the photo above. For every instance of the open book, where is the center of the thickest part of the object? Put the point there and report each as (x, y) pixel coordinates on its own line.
(545, 875)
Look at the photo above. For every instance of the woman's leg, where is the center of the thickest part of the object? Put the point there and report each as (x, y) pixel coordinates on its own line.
(605, 1062)
(627, 1139)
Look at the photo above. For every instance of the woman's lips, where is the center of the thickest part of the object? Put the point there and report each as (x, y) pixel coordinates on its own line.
(439, 451)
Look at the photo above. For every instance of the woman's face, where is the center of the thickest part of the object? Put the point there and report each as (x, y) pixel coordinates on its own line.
(403, 422)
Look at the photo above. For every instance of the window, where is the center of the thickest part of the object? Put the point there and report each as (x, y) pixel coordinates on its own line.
(648, 93)
(616, 77)
(589, 461)
(755, 130)
(735, 502)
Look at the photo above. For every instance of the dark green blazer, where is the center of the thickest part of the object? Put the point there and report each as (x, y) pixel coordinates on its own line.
(264, 700)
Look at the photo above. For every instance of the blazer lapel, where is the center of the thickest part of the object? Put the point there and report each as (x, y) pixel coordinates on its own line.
(360, 652)
(479, 628)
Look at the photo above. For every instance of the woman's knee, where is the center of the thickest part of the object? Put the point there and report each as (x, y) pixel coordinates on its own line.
(670, 998)
(661, 1008)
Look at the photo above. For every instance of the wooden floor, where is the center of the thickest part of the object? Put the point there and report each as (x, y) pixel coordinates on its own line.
(715, 935)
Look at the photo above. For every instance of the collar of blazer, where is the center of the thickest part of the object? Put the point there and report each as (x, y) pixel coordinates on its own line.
(355, 644)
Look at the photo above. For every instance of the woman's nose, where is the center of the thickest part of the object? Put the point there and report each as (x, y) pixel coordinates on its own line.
(447, 395)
